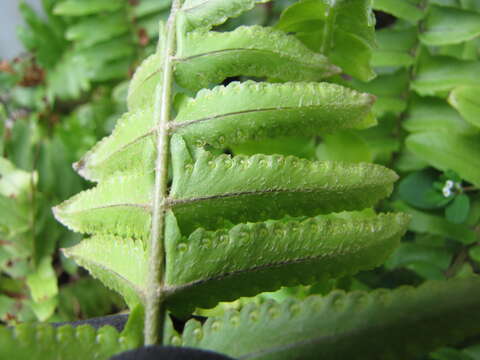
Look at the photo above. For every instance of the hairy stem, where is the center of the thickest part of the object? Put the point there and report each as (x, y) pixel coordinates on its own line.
(155, 299)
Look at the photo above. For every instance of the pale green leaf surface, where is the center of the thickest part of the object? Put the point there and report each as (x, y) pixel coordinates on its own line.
(148, 7)
(42, 283)
(119, 206)
(425, 223)
(404, 9)
(70, 77)
(449, 25)
(203, 14)
(15, 182)
(44, 342)
(250, 110)
(449, 151)
(390, 90)
(105, 28)
(440, 74)
(394, 47)
(120, 263)
(263, 187)
(342, 30)
(431, 114)
(142, 86)
(209, 267)
(86, 7)
(344, 146)
(258, 51)
(384, 324)
(466, 99)
(129, 149)
(234, 114)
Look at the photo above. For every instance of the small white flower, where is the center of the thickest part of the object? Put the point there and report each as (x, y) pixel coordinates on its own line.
(447, 189)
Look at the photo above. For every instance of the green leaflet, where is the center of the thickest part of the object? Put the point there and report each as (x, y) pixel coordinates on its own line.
(449, 25)
(429, 113)
(86, 7)
(390, 89)
(449, 151)
(210, 57)
(342, 30)
(383, 324)
(423, 222)
(106, 27)
(440, 74)
(42, 283)
(203, 14)
(120, 263)
(230, 115)
(129, 149)
(148, 7)
(288, 185)
(208, 190)
(466, 100)
(44, 342)
(208, 267)
(143, 84)
(404, 9)
(250, 110)
(119, 206)
(394, 47)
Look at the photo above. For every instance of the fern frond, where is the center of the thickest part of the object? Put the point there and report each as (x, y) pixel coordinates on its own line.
(384, 324)
(120, 263)
(45, 342)
(119, 206)
(449, 151)
(203, 14)
(143, 84)
(229, 115)
(129, 150)
(210, 189)
(208, 267)
(211, 57)
(245, 111)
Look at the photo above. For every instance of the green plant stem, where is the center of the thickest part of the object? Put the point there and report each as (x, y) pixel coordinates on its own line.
(155, 297)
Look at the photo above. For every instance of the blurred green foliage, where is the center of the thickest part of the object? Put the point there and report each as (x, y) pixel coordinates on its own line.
(58, 100)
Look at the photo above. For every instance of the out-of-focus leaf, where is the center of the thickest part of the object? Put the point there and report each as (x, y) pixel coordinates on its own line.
(449, 151)
(394, 47)
(423, 222)
(417, 190)
(429, 113)
(69, 78)
(449, 25)
(43, 288)
(457, 212)
(474, 253)
(390, 90)
(106, 27)
(440, 74)
(86, 7)
(466, 99)
(344, 146)
(427, 256)
(87, 298)
(404, 9)
(40, 37)
(449, 354)
(148, 7)
(342, 30)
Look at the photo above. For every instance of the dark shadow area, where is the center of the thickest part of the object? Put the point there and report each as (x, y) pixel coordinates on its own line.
(383, 19)
(168, 353)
